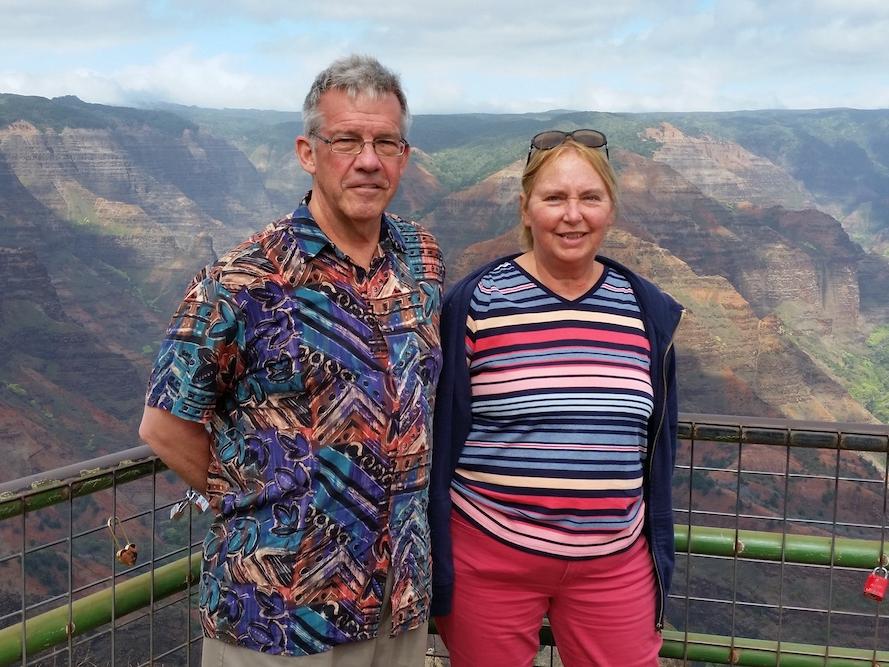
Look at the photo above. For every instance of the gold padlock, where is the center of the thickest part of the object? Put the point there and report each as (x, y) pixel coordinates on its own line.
(127, 554)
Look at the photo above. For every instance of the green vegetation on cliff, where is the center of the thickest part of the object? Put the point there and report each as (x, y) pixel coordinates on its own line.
(69, 111)
(870, 383)
(862, 367)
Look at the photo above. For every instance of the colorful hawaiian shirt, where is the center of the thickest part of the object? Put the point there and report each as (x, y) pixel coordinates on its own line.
(316, 378)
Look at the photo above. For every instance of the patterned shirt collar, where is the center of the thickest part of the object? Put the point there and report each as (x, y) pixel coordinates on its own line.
(312, 239)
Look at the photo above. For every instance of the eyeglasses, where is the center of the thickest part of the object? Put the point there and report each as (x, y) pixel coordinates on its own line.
(548, 140)
(354, 145)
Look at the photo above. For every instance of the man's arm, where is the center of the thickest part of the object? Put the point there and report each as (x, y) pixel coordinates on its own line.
(183, 445)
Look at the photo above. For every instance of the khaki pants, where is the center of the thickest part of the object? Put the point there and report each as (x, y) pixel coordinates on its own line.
(405, 650)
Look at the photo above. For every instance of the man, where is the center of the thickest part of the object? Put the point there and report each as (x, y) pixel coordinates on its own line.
(295, 387)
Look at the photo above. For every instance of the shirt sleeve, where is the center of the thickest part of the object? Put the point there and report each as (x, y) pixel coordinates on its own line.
(201, 354)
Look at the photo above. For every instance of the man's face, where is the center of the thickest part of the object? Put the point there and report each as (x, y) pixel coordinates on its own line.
(352, 190)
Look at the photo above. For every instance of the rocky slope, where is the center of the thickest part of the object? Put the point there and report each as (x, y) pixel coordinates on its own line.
(480, 212)
(100, 229)
(726, 171)
(105, 213)
(138, 178)
(749, 279)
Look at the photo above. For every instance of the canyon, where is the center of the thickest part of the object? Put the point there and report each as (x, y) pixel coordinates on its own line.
(106, 213)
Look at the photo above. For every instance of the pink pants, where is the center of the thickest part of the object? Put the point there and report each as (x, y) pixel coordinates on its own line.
(601, 610)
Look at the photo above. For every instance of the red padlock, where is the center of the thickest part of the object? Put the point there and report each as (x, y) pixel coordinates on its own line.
(876, 584)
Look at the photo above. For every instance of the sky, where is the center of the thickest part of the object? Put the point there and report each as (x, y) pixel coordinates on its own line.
(494, 56)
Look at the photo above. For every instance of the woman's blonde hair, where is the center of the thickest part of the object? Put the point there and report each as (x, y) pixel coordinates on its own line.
(540, 158)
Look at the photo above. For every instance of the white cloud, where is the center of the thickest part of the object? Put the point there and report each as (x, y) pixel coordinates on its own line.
(76, 25)
(471, 55)
(86, 84)
(179, 76)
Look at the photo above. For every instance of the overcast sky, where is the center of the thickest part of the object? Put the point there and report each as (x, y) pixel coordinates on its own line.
(458, 55)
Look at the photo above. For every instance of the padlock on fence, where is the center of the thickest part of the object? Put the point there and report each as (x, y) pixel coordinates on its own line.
(876, 584)
(127, 554)
(193, 497)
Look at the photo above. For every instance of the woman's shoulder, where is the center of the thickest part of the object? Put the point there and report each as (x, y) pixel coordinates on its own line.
(486, 274)
(653, 298)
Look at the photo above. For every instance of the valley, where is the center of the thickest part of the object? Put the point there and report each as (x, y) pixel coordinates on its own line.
(770, 227)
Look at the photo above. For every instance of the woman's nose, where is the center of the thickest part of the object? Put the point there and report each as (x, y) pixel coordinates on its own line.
(572, 209)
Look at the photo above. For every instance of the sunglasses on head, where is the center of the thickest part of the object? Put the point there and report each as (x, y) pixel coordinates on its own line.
(545, 141)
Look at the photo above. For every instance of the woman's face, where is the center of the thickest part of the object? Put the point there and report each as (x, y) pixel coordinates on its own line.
(568, 213)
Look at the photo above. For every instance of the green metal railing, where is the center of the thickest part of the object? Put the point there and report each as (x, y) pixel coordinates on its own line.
(76, 481)
(79, 612)
(124, 595)
(59, 625)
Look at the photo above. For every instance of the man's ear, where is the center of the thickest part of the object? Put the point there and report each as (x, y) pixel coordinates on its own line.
(404, 159)
(305, 153)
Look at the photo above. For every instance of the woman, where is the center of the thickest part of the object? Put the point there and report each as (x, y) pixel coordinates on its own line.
(554, 436)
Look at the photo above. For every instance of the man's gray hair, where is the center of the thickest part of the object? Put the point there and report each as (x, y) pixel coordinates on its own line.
(355, 75)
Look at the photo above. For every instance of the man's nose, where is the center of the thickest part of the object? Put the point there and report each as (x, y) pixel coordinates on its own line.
(368, 159)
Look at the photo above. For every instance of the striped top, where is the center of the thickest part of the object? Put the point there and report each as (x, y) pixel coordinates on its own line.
(561, 397)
